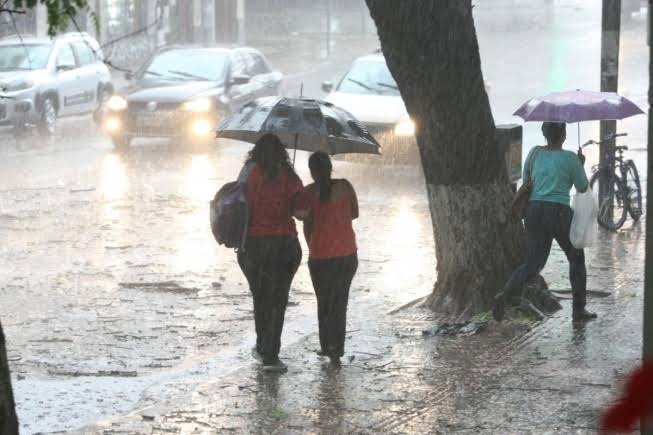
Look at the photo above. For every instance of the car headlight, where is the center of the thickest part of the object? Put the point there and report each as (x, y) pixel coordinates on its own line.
(197, 105)
(117, 103)
(405, 128)
(17, 85)
(201, 127)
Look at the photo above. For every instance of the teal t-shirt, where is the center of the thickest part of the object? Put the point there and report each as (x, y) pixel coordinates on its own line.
(554, 172)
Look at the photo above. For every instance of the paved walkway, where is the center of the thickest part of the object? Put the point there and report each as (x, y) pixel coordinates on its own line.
(518, 377)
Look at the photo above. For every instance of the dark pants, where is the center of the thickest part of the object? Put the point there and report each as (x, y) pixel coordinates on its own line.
(269, 264)
(546, 221)
(331, 281)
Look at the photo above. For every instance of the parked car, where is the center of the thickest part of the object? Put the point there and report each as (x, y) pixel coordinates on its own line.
(183, 92)
(42, 79)
(369, 92)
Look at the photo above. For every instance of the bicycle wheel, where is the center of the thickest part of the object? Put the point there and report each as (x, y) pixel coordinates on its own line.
(634, 191)
(614, 208)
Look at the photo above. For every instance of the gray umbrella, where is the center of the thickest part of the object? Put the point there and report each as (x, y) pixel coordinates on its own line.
(300, 123)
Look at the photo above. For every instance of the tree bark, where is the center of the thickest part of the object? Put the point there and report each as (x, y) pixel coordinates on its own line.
(8, 419)
(432, 52)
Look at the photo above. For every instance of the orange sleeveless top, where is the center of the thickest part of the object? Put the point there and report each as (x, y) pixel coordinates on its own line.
(333, 233)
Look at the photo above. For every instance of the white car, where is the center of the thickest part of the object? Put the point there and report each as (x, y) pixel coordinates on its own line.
(42, 79)
(368, 91)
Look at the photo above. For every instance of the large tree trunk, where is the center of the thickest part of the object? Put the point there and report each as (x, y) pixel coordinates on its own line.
(8, 419)
(432, 52)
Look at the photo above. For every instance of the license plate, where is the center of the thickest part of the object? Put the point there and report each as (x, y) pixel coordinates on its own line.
(151, 120)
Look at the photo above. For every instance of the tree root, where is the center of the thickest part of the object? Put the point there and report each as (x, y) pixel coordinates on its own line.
(535, 300)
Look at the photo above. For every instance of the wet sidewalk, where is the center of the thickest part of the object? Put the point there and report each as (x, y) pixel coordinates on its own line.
(514, 377)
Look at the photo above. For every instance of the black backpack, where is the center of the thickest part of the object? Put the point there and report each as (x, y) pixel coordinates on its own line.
(229, 212)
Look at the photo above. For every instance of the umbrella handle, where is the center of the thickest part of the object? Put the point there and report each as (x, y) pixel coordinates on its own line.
(294, 153)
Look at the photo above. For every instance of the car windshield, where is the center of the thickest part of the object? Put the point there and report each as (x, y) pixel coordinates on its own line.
(24, 56)
(369, 77)
(191, 65)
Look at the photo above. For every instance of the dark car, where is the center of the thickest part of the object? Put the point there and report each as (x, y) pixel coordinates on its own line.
(183, 92)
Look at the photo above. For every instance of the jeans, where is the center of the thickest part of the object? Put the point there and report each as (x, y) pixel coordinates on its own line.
(546, 221)
(270, 264)
(331, 280)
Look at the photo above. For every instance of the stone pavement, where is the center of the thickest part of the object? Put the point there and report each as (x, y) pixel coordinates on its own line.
(515, 377)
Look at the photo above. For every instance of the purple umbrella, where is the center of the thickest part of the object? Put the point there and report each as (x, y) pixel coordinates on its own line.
(577, 106)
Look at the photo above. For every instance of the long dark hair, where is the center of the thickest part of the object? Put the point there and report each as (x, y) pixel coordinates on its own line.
(554, 132)
(270, 154)
(320, 165)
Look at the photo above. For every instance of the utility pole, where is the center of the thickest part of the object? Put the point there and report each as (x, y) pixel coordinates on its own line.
(240, 17)
(648, 262)
(328, 28)
(610, 29)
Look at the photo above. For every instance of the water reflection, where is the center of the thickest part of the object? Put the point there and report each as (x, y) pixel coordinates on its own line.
(194, 247)
(266, 402)
(113, 178)
(196, 181)
(332, 404)
(401, 243)
(577, 349)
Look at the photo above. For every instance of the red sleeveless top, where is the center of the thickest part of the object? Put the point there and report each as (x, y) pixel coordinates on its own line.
(333, 234)
(271, 203)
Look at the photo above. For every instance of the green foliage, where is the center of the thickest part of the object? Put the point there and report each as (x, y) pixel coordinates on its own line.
(61, 13)
(483, 317)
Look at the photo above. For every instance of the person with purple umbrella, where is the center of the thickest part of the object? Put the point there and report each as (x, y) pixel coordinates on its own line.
(553, 172)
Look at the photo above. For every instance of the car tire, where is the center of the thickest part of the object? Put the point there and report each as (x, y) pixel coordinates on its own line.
(120, 142)
(47, 118)
(103, 95)
(20, 130)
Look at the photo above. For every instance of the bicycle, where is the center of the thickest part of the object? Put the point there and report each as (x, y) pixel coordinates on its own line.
(623, 193)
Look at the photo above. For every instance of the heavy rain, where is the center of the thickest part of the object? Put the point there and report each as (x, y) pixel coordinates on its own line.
(121, 313)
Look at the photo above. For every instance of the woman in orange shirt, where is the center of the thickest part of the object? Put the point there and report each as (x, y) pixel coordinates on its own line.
(328, 207)
(272, 252)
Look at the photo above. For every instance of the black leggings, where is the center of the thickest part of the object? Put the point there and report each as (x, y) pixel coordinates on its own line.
(546, 221)
(331, 280)
(269, 264)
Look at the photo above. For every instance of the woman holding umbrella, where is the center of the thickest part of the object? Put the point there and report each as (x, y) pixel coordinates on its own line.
(328, 207)
(272, 252)
(553, 171)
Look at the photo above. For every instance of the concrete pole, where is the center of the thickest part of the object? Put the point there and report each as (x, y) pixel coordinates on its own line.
(40, 20)
(328, 28)
(648, 270)
(610, 29)
(240, 18)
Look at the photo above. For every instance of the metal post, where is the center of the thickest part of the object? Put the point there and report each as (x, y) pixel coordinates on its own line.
(610, 28)
(240, 17)
(648, 265)
(328, 28)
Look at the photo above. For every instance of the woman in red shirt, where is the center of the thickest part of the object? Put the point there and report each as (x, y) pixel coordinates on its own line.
(328, 207)
(272, 252)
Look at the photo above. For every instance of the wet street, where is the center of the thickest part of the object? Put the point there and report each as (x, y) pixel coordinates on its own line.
(114, 297)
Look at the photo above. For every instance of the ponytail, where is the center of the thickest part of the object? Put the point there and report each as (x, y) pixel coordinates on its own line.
(320, 165)
(324, 187)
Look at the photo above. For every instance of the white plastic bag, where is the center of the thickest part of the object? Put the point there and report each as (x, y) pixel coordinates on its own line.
(583, 225)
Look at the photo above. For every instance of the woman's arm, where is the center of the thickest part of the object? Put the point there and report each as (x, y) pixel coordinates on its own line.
(301, 204)
(354, 201)
(308, 229)
(578, 176)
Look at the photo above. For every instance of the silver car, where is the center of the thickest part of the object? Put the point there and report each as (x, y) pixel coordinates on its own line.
(42, 79)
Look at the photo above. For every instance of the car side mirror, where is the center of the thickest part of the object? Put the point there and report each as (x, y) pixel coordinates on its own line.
(327, 86)
(240, 79)
(65, 67)
(129, 75)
